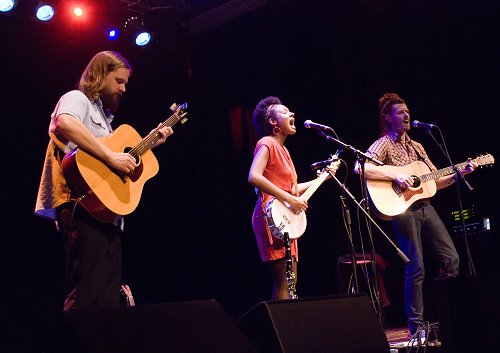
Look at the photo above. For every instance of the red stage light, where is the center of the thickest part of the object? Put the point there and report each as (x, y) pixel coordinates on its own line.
(77, 11)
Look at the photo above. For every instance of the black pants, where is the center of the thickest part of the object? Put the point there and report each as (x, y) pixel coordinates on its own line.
(93, 248)
(421, 225)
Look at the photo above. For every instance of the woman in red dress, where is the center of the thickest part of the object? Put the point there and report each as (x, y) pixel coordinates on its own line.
(273, 175)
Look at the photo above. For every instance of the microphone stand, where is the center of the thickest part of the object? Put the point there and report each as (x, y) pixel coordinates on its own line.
(347, 222)
(458, 176)
(346, 191)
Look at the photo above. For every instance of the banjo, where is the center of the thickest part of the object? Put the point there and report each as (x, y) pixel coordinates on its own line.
(281, 219)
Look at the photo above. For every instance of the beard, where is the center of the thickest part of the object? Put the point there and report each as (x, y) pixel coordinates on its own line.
(110, 101)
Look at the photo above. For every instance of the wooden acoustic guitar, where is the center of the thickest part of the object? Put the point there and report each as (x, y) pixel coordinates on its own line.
(390, 200)
(107, 193)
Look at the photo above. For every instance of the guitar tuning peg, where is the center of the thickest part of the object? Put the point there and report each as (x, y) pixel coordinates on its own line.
(173, 107)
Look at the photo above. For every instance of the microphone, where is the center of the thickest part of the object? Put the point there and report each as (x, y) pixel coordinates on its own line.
(417, 123)
(326, 162)
(311, 125)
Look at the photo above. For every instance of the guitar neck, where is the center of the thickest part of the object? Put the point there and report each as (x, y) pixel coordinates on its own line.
(480, 161)
(150, 140)
(441, 172)
(314, 186)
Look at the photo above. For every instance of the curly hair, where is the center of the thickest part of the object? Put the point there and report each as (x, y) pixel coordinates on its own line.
(385, 104)
(262, 113)
(94, 76)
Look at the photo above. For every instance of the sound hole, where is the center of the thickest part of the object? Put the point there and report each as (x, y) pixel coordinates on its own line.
(136, 174)
(137, 158)
(416, 181)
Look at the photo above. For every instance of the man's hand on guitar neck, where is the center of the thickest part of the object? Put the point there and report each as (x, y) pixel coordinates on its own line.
(450, 179)
(165, 132)
(469, 167)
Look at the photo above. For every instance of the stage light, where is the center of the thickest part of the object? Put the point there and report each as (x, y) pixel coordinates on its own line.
(45, 12)
(113, 33)
(7, 5)
(135, 26)
(77, 11)
(142, 38)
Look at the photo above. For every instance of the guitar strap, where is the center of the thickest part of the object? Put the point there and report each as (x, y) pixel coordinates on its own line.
(59, 146)
(108, 118)
(419, 156)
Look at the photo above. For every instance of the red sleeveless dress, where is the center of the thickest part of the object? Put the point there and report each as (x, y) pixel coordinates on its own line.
(281, 172)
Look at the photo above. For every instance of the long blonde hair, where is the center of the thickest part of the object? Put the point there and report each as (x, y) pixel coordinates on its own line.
(94, 76)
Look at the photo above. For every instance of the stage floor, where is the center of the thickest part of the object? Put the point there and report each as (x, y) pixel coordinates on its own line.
(399, 342)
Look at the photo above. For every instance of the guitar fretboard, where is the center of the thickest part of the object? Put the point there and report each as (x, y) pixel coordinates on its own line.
(316, 184)
(149, 141)
(481, 160)
(441, 172)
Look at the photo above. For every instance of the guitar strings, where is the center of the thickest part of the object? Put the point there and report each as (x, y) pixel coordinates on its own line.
(442, 172)
(149, 140)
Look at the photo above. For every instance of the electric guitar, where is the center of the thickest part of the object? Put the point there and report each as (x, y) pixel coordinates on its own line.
(280, 218)
(105, 192)
(390, 200)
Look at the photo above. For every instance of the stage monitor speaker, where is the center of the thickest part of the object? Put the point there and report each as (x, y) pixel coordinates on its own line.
(332, 324)
(468, 311)
(191, 326)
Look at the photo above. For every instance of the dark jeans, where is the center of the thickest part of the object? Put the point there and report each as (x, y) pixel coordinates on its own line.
(418, 225)
(93, 276)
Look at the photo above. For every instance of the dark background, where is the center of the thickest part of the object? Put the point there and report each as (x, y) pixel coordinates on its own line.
(191, 237)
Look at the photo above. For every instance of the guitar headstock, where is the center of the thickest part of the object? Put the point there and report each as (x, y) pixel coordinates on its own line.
(180, 111)
(487, 159)
(330, 168)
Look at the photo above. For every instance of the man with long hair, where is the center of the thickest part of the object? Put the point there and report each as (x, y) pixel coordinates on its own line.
(79, 119)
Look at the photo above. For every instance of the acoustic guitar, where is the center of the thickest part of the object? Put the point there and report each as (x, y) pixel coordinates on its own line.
(390, 200)
(105, 192)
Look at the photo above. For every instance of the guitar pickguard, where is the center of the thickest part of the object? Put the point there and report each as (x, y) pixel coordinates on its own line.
(136, 174)
(408, 193)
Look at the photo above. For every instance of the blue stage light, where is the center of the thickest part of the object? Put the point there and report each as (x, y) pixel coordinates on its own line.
(7, 5)
(142, 39)
(113, 33)
(45, 13)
